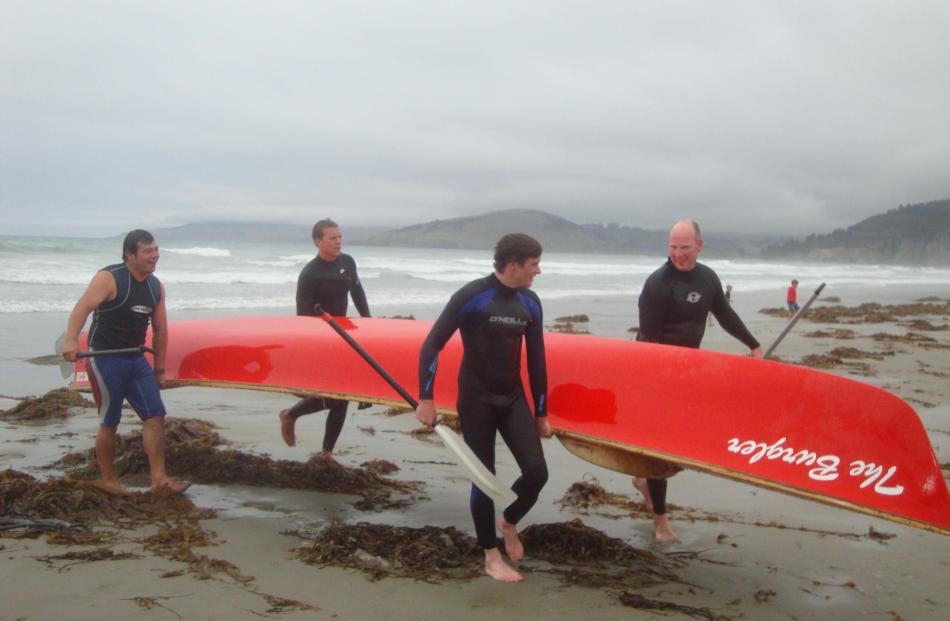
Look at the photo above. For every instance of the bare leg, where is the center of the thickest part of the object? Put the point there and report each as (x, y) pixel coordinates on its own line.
(662, 530)
(641, 484)
(512, 542)
(497, 568)
(287, 423)
(153, 441)
(105, 453)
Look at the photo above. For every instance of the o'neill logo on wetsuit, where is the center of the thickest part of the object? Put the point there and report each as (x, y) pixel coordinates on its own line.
(693, 297)
(509, 321)
(145, 310)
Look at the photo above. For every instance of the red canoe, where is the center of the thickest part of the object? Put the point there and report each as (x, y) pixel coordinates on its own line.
(620, 403)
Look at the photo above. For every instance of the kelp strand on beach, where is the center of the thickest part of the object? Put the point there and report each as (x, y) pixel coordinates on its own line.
(635, 600)
(428, 553)
(84, 503)
(55, 404)
(192, 452)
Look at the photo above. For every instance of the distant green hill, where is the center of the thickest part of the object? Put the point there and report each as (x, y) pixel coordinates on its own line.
(555, 233)
(909, 235)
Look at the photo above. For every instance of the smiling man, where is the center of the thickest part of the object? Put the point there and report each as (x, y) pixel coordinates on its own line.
(495, 314)
(674, 304)
(124, 299)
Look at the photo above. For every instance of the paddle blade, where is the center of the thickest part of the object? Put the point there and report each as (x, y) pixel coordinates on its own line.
(474, 469)
(65, 368)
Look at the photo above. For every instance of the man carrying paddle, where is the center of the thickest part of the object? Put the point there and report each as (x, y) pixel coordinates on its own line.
(124, 298)
(495, 315)
(326, 280)
(674, 304)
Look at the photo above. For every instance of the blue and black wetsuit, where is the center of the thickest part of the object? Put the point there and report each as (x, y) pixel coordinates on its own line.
(328, 283)
(674, 306)
(119, 324)
(494, 320)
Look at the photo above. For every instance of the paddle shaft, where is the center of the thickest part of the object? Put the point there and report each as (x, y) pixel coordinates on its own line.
(793, 321)
(327, 317)
(141, 349)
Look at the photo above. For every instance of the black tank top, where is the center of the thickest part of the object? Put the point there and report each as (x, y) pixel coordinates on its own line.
(122, 322)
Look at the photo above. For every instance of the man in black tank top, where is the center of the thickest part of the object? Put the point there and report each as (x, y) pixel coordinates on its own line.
(674, 304)
(327, 280)
(125, 298)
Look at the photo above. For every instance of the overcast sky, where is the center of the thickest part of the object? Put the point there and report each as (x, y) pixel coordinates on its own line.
(760, 116)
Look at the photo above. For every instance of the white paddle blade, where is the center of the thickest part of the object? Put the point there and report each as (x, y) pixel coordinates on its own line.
(474, 469)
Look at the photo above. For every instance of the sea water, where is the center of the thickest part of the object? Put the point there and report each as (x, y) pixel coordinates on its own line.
(48, 274)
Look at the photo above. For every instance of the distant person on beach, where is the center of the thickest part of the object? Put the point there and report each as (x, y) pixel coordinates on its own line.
(495, 314)
(674, 304)
(326, 280)
(792, 297)
(124, 298)
(729, 294)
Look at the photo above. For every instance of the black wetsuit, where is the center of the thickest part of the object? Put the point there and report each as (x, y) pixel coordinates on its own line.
(494, 320)
(674, 306)
(328, 283)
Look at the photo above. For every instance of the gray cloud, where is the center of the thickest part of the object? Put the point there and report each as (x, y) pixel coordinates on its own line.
(770, 116)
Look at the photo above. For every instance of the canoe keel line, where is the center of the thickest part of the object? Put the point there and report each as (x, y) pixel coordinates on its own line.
(638, 408)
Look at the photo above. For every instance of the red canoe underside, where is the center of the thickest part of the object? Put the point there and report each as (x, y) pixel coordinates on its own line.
(784, 427)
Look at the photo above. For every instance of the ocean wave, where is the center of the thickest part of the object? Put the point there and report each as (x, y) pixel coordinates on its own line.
(201, 251)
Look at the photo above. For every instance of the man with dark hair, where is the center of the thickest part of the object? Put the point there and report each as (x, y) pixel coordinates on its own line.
(124, 298)
(495, 314)
(326, 280)
(674, 304)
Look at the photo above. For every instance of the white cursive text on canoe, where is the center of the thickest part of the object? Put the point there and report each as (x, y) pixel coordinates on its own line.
(822, 467)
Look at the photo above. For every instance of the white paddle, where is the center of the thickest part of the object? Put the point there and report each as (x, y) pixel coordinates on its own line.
(474, 469)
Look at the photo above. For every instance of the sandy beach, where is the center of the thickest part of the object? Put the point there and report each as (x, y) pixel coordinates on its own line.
(746, 553)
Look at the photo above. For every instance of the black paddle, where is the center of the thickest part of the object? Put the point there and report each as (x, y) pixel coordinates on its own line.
(475, 470)
(791, 322)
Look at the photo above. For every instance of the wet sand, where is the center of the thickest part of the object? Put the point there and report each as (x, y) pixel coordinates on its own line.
(746, 553)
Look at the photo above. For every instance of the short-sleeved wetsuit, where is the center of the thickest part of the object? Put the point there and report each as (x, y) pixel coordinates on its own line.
(118, 324)
(674, 306)
(329, 284)
(494, 320)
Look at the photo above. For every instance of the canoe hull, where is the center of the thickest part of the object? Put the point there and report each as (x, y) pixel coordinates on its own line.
(621, 404)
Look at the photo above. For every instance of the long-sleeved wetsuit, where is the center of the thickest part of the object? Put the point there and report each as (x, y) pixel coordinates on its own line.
(494, 320)
(674, 306)
(328, 283)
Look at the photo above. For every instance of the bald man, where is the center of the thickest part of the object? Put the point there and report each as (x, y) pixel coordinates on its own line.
(674, 304)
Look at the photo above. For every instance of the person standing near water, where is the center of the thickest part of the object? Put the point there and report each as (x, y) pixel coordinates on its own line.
(674, 304)
(328, 279)
(791, 297)
(124, 299)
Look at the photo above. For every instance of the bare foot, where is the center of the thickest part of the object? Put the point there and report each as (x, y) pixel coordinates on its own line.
(287, 423)
(641, 485)
(497, 568)
(512, 542)
(662, 530)
(110, 487)
(169, 486)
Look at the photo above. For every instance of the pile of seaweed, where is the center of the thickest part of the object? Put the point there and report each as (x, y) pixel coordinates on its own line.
(844, 357)
(838, 333)
(566, 324)
(83, 503)
(578, 554)
(869, 312)
(589, 494)
(192, 452)
(429, 553)
(584, 556)
(55, 404)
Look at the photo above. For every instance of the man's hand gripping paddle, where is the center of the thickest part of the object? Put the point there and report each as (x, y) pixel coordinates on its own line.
(474, 469)
(66, 368)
